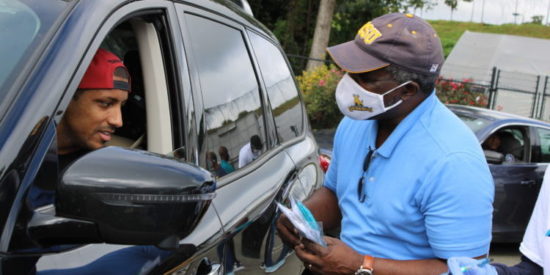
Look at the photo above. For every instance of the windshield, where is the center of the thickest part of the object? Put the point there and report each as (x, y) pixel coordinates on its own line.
(475, 123)
(23, 24)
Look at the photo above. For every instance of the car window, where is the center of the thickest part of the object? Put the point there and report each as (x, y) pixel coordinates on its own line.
(25, 23)
(232, 105)
(542, 154)
(475, 123)
(510, 142)
(281, 89)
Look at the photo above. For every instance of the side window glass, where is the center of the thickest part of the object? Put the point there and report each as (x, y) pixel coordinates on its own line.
(510, 142)
(232, 105)
(543, 154)
(281, 88)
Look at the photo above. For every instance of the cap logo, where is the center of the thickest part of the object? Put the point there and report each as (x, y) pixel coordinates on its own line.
(369, 33)
(434, 68)
(358, 105)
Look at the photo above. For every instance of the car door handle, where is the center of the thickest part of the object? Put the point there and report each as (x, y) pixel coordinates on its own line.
(527, 182)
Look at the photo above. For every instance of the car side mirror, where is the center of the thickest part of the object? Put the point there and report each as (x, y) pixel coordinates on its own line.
(493, 157)
(126, 196)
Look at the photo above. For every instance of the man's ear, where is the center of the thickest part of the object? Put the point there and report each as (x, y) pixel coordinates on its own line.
(410, 90)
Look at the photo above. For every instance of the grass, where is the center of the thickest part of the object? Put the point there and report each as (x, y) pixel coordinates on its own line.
(450, 31)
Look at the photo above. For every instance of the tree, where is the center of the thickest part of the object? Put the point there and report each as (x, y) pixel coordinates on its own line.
(294, 22)
(537, 19)
(452, 4)
(322, 33)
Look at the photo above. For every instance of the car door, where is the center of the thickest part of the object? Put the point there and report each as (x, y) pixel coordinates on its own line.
(146, 32)
(231, 110)
(516, 180)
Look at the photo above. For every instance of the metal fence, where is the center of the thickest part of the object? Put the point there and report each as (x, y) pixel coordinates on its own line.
(512, 92)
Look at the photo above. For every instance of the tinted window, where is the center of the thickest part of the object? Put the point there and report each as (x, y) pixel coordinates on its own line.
(233, 110)
(475, 123)
(281, 89)
(510, 142)
(22, 26)
(544, 138)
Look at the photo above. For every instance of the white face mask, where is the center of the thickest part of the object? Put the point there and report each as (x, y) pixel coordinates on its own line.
(357, 103)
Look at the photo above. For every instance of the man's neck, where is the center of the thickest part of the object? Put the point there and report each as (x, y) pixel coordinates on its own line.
(386, 126)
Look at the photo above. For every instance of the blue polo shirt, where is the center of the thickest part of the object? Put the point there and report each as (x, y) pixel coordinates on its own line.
(429, 189)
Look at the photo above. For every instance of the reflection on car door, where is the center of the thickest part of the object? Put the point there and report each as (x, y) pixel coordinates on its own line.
(516, 189)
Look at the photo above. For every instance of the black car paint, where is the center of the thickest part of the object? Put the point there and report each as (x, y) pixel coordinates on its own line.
(42, 91)
(516, 184)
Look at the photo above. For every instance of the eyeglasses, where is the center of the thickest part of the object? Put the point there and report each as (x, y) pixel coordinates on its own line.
(361, 195)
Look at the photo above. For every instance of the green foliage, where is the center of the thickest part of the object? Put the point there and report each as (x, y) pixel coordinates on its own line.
(318, 86)
(537, 19)
(459, 92)
(452, 4)
(292, 21)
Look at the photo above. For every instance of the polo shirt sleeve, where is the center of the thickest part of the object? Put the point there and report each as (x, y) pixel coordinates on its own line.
(456, 200)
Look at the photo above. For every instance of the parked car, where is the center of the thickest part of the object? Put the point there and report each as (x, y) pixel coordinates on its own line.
(517, 164)
(205, 74)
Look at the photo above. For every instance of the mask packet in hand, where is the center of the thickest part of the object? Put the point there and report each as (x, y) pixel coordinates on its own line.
(302, 219)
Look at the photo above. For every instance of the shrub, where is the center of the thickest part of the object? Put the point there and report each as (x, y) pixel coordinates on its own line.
(318, 86)
(459, 92)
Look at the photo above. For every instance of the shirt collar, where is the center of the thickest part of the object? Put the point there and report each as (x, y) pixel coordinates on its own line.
(405, 125)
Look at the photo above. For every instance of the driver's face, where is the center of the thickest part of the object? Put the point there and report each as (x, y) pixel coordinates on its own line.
(91, 119)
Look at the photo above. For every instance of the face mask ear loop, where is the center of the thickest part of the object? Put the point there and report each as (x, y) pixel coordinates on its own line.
(400, 100)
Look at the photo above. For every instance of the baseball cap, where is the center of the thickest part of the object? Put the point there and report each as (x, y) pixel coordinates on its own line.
(101, 72)
(399, 39)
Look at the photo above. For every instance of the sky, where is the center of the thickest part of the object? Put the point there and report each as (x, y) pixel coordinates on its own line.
(494, 11)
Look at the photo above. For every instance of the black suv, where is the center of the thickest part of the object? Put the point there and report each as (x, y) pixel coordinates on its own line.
(205, 74)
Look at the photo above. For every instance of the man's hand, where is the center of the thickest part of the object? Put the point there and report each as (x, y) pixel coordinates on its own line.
(336, 258)
(287, 232)
(465, 265)
(323, 204)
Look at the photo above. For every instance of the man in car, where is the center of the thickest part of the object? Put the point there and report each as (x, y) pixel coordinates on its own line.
(95, 110)
(89, 122)
(92, 116)
(408, 182)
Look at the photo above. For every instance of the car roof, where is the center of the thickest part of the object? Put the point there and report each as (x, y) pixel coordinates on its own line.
(495, 117)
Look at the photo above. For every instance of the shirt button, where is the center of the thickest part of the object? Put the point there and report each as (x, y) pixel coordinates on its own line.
(371, 179)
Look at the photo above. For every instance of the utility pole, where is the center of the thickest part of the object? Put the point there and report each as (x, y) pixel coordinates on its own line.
(472, 13)
(482, 10)
(548, 12)
(515, 14)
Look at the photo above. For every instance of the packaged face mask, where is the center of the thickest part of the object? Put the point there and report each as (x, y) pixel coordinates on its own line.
(357, 103)
(303, 221)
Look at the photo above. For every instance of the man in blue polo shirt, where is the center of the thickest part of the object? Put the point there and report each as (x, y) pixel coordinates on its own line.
(408, 182)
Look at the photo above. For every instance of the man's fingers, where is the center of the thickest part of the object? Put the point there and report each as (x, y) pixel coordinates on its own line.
(287, 231)
(313, 247)
(307, 257)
